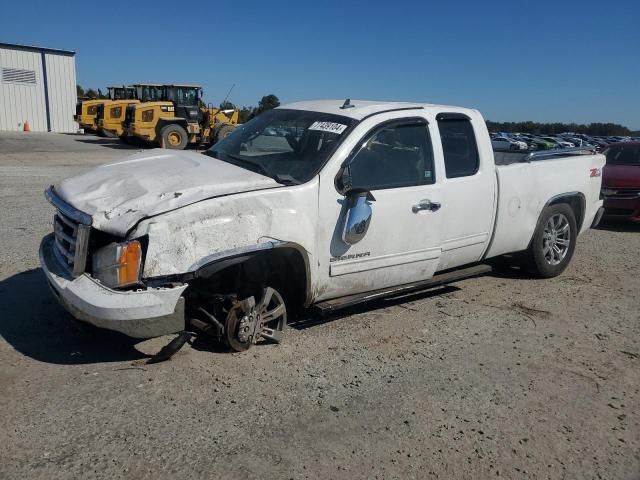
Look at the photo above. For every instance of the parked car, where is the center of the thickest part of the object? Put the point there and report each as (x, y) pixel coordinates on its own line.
(504, 143)
(541, 144)
(559, 143)
(373, 199)
(621, 181)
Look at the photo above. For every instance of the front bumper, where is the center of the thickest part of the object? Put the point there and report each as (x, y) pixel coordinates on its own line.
(622, 208)
(137, 313)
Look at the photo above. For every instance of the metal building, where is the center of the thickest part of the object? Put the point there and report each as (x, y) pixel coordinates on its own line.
(37, 85)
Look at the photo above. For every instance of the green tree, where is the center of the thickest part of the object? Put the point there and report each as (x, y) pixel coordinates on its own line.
(267, 103)
(79, 91)
(227, 105)
(245, 114)
(91, 93)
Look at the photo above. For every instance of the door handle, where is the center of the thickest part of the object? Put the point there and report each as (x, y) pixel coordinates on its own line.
(426, 205)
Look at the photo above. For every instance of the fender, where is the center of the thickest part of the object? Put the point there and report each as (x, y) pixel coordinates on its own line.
(560, 198)
(211, 264)
(164, 121)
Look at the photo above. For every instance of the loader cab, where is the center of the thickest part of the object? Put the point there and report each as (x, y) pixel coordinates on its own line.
(121, 93)
(186, 99)
(150, 92)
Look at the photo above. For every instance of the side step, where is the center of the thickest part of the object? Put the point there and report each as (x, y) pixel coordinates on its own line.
(439, 279)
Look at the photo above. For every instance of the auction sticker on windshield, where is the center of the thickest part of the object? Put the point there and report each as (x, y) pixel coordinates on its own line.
(328, 127)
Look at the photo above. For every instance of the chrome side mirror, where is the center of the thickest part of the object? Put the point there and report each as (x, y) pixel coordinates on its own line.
(358, 216)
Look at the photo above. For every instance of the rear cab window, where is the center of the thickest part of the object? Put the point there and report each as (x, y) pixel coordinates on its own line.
(459, 146)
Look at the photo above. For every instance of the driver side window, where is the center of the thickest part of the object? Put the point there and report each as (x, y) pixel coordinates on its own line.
(393, 156)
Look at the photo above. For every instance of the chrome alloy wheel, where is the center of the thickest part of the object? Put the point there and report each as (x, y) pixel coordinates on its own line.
(556, 239)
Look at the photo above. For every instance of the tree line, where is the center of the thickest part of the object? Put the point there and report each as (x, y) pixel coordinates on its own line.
(536, 128)
(247, 113)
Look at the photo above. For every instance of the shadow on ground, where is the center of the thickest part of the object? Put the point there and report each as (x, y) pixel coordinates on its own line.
(311, 319)
(35, 325)
(617, 226)
(114, 143)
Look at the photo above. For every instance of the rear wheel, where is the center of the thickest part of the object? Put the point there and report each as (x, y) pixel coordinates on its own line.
(249, 321)
(174, 137)
(553, 243)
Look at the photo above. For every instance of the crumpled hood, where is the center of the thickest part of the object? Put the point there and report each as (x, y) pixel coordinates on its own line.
(119, 195)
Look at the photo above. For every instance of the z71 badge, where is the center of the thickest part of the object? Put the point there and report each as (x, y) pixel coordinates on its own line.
(350, 257)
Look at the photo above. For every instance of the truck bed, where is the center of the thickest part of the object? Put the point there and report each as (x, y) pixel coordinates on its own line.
(526, 187)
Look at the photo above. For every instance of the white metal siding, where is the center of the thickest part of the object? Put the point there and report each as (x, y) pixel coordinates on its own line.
(61, 72)
(22, 101)
(18, 101)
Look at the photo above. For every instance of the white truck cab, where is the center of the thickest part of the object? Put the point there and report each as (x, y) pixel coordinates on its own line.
(323, 203)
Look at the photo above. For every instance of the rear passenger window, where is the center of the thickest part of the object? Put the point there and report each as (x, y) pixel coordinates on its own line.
(459, 146)
(396, 155)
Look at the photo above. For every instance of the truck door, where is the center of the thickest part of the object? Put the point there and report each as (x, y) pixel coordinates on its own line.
(468, 188)
(394, 161)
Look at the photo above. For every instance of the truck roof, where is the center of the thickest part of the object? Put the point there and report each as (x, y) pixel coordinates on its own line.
(362, 108)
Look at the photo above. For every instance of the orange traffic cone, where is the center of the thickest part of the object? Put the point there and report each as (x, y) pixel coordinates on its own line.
(26, 127)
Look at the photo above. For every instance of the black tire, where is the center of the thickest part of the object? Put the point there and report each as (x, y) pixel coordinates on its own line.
(223, 132)
(548, 254)
(174, 137)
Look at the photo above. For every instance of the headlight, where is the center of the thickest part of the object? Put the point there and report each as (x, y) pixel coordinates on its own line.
(118, 264)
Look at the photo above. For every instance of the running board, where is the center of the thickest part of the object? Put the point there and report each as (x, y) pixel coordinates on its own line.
(439, 279)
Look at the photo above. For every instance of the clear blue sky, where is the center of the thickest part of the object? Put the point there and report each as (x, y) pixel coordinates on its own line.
(518, 60)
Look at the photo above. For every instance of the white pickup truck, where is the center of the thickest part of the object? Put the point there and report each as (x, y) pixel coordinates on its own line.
(319, 203)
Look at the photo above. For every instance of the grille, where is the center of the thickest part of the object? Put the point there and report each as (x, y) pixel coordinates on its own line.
(72, 240)
(71, 229)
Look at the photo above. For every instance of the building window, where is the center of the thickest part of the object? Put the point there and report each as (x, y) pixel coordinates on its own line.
(15, 75)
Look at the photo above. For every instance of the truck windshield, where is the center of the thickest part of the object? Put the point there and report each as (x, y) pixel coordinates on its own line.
(290, 146)
(623, 154)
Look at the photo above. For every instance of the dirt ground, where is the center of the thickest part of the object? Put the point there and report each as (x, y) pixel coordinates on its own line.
(495, 377)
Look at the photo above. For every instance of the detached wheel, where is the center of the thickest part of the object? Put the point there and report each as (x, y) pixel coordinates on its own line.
(249, 321)
(553, 243)
(174, 137)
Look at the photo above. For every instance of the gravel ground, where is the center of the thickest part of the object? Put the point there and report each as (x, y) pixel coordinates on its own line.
(500, 376)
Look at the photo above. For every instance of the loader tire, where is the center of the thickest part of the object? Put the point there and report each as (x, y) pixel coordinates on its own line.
(174, 137)
(223, 132)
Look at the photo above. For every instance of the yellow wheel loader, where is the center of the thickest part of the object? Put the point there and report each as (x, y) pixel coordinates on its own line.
(179, 119)
(110, 117)
(87, 110)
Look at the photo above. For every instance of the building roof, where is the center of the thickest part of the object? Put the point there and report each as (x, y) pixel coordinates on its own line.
(32, 48)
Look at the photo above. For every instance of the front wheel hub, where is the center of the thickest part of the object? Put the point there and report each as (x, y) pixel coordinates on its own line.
(249, 321)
